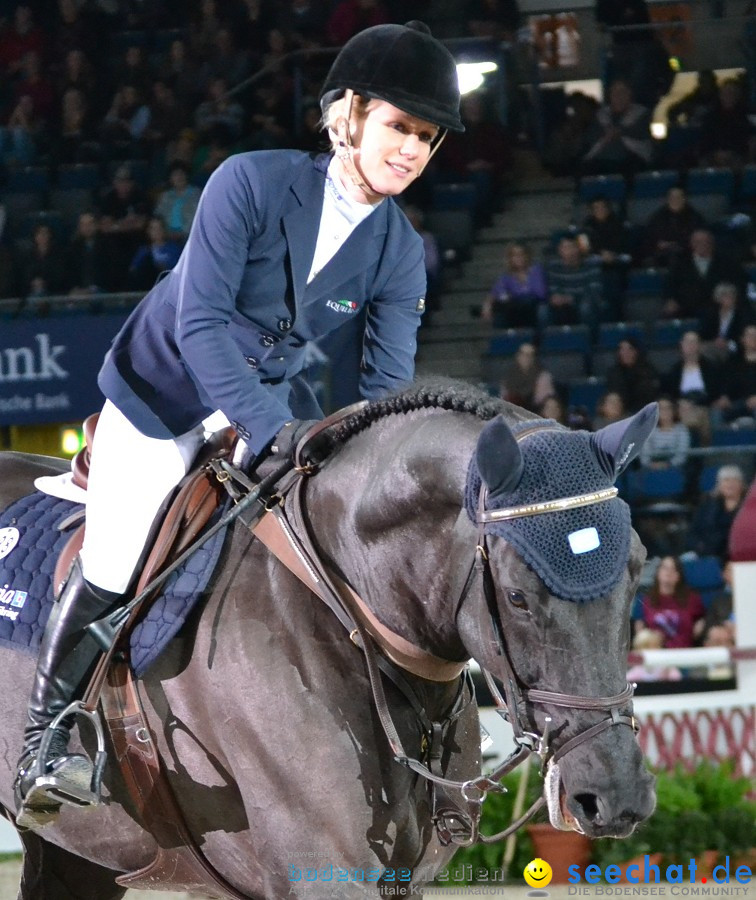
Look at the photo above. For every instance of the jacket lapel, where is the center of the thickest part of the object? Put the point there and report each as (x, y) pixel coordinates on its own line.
(360, 251)
(301, 224)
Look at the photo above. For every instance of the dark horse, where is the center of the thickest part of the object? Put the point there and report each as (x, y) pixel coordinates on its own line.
(262, 706)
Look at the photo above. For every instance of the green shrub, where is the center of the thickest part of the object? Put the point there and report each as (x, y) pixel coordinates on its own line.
(497, 815)
(707, 809)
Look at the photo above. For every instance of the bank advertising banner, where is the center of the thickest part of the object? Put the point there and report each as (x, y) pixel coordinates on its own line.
(49, 366)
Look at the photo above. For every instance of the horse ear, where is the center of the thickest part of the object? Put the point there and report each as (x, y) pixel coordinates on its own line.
(499, 458)
(617, 445)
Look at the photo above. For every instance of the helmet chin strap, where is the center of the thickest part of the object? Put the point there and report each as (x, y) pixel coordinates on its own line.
(345, 149)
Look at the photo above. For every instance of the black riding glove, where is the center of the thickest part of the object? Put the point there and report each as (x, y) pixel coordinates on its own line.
(288, 437)
(283, 445)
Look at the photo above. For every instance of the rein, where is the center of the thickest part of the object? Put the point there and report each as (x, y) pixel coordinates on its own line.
(513, 705)
(273, 510)
(284, 532)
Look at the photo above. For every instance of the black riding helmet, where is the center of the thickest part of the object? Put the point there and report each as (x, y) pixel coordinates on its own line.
(403, 65)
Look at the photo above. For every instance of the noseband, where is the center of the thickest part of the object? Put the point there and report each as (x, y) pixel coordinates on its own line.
(513, 706)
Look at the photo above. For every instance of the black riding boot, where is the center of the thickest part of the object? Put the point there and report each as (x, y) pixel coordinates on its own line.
(66, 661)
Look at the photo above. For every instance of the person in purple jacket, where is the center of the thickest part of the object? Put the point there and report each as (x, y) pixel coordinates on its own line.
(516, 294)
(284, 248)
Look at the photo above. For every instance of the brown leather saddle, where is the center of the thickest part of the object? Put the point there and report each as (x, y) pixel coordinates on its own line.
(178, 859)
(179, 862)
(177, 524)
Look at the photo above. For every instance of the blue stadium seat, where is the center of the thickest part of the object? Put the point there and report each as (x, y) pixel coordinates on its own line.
(707, 478)
(667, 332)
(70, 202)
(28, 179)
(162, 38)
(655, 184)
(565, 337)
(746, 191)
(710, 181)
(454, 195)
(78, 175)
(586, 392)
(703, 572)
(711, 191)
(645, 281)
(49, 217)
(121, 40)
(613, 187)
(733, 437)
(611, 333)
(18, 205)
(659, 492)
(507, 342)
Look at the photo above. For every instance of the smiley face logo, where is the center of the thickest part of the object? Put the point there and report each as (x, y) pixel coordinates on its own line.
(537, 873)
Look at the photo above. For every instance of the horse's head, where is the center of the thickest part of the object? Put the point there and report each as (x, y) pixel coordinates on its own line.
(550, 614)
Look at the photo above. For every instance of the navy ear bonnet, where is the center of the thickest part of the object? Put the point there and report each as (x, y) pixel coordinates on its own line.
(579, 553)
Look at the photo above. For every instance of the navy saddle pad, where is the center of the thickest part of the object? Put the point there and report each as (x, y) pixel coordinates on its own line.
(30, 541)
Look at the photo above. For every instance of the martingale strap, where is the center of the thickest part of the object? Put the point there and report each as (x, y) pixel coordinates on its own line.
(295, 546)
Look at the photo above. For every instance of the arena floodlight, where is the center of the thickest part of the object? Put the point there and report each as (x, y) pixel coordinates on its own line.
(472, 74)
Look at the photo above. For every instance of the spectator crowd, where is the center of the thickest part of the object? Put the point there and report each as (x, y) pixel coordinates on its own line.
(152, 97)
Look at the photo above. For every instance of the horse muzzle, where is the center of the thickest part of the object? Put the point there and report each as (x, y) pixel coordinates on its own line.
(612, 812)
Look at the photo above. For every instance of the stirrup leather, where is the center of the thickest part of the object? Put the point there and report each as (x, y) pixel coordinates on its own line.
(70, 782)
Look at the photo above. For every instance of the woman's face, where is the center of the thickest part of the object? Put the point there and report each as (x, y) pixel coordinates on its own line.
(730, 488)
(526, 356)
(391, 148)
(690, 346)
(613, 407)
(667, 575)
(666, 412)
(518, 259)
(627, 353)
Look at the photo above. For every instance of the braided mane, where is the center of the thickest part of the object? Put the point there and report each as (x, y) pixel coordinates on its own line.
(433, 393)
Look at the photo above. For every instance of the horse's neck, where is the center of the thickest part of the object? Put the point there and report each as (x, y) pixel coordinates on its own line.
(387, 513)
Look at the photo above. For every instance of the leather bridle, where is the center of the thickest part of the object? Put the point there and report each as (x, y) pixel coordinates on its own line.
(454, 823)
(517, 702)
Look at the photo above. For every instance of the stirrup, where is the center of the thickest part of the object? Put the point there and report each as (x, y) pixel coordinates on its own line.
(76, 781)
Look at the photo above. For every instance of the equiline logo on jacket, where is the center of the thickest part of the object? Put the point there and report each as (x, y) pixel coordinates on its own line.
(342, 306)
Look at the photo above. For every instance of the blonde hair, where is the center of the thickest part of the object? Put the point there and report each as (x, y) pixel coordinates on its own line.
(336, 110)
(648, 639)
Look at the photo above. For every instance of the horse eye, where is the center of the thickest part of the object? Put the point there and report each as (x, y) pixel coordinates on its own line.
(517, 599)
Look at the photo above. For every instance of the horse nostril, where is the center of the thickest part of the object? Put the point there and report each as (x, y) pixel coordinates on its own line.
(589, 805)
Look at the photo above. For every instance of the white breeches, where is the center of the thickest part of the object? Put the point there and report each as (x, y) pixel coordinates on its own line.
(130, 475)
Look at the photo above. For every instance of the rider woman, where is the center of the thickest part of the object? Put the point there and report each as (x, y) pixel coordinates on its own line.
(285, 247)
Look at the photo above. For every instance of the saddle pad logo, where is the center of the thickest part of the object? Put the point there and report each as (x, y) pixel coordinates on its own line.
(11, 597)
(342, 306)
(8, 540)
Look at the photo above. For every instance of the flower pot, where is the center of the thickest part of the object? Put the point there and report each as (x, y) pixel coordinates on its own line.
(560, 849)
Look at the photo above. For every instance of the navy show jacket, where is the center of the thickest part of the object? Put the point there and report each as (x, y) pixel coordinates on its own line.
(227, 327)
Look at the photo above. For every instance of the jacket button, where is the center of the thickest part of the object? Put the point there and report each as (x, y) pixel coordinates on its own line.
(267, 340)
(284, 325)
(252, 362)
